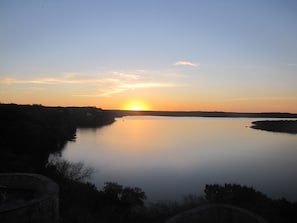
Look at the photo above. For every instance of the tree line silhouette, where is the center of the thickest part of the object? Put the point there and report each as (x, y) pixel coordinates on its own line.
(29, 133)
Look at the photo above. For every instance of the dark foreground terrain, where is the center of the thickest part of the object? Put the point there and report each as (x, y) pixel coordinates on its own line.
(30, 133)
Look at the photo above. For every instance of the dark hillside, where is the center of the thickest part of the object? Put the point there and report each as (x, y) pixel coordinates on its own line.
(29, 133)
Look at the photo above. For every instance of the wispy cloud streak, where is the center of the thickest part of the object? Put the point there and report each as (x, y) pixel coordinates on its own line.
(147, 85)
(52, 80)
(108, 83)
(72, 78)
(126, 87)
(186, 63)
(261, 98)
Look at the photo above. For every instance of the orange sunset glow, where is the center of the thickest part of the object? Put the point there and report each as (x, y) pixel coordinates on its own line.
(82, 55)
(136, 106)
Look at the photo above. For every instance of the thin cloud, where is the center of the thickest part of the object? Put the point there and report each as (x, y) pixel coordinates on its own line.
(39, 81)
(260, 98)
(66, 78)
(186, 63)
(7, 80)
(106, 77)
(126, 76)
(147, 85)
(125, 87)
(109, 82)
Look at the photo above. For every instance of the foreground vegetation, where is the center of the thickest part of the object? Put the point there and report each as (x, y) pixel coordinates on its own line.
(29, 134)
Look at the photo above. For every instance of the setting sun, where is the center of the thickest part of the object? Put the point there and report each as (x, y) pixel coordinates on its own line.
(136, 106)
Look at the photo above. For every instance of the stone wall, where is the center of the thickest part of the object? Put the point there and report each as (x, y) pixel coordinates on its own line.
(28, 198)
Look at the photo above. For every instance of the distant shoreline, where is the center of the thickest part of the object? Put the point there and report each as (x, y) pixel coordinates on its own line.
(121, 113)
(281, 126)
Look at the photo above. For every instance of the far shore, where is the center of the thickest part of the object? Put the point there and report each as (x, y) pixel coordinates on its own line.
(281, 126)
(121, 113)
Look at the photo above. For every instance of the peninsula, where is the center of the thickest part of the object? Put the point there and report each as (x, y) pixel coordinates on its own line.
(282, 126)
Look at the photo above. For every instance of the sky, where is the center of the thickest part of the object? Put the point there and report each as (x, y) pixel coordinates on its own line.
(202, 55)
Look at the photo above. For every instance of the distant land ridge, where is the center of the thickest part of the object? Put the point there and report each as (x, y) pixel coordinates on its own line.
(121, 113)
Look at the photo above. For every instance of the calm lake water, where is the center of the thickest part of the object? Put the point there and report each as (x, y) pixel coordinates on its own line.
(169, 157)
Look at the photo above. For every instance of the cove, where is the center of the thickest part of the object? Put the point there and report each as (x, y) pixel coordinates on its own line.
(170, 157)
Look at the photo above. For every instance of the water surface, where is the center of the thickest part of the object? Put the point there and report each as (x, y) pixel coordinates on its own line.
(169, 157)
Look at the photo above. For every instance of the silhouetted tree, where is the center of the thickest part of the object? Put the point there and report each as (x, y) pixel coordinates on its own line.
(255, 201)
(71, 170)
(127, 196)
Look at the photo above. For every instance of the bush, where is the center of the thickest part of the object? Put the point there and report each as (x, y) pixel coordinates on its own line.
(70, 170)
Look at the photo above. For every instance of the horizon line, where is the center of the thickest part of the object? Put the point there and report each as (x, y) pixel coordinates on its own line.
(135, 111)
